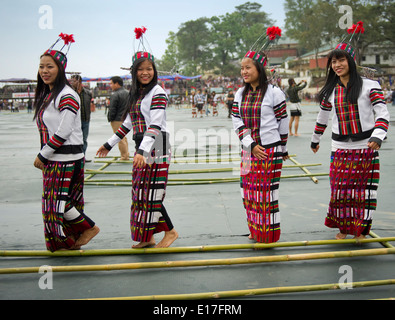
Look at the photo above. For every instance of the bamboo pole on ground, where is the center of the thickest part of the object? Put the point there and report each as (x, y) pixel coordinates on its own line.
(384, 243)
(193, 171)
(177, 182)
(212, 262)
(255, 292)
(177, 161)
(315, 180)
(209, 248)
(100, 169)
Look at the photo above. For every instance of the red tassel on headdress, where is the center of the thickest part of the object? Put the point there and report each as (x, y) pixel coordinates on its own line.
(67, 38)
(273, 32)
(139, 32)
(356, 28)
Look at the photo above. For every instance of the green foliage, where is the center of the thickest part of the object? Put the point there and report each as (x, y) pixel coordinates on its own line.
(215, 44)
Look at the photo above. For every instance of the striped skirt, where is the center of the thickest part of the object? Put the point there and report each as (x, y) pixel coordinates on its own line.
(63, 184)
(260, 181)
(354, 179)
(148, 215)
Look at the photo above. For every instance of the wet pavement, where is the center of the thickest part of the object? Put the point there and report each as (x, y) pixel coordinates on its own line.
(203, 214)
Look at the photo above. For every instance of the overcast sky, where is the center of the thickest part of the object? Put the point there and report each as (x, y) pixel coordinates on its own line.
(103, 30)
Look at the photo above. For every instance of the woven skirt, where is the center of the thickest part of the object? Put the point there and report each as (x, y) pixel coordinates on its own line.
(260, 181)
(63, 184)
(148, 215)
(354, 179)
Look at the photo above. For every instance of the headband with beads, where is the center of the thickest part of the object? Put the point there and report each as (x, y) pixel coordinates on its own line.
(143, 49)
(259, 49)
(345, 44)
(58, 54)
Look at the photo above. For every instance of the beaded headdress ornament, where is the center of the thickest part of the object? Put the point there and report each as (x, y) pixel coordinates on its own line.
(259, 49)
(345, 43)
(143, 49)
(58, 54)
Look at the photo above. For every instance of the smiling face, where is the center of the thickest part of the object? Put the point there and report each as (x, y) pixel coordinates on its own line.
(249, 72)
(48, 71)
(340, 66)
(145, 72)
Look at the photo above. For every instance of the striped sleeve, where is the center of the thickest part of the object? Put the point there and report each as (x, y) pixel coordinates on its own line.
(123, 130)
(68, 111)
(280, 112)
(68, 102)
(157, 118)
(382, 116)
(241, 130)
(159, 102)
(322, 123)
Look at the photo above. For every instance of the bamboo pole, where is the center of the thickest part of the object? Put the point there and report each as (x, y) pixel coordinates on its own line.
(255, 292)
(193, 171)
(201, 263)
(177, 161)
(315, 180)
(101, 168)
(177, 182)
(384, 243)
(209, 248)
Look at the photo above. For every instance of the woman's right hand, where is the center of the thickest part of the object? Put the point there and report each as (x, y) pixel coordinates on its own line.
(315, 150)
(259, 152)
(102, 152)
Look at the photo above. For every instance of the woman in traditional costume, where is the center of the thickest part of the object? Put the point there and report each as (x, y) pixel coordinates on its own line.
(61, 159)
(146, 117)
(359, 125)
(260, 120)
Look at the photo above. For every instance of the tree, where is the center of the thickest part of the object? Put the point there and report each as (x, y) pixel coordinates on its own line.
(215, 43)
(194, 45)
(311, 22)
(169, 61)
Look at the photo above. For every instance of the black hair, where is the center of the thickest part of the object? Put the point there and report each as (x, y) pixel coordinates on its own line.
(118, 80)
(137, 90)
(42, 89)
(355, 82)
(263, 82)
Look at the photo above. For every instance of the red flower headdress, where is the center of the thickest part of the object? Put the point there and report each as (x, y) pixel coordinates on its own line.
(356, 28)
(259, 49)
(143, 49)
(346, 45)
(139, 32)
(58, 54)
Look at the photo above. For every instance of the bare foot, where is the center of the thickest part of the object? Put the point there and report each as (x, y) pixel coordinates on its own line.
(291, 134)
(341, 236)
(361, 237)
(145, 244)
(168, 239)
(296, 134)
(87, 236)
(250, 237)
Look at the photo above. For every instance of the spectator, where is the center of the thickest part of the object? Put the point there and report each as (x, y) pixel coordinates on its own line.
(119, 102)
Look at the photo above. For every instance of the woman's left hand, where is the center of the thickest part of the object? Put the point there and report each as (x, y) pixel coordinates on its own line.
(38, 164)
(374, 145)
(139, 161)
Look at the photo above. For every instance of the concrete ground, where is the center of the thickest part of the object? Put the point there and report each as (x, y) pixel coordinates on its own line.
(204, 214)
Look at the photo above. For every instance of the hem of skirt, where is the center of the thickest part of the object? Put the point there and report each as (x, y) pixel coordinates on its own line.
(349, 229)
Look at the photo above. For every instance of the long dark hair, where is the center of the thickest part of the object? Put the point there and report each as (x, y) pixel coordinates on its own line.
(263, 82)
(43, 89)
(138, 90)
(354, 85)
